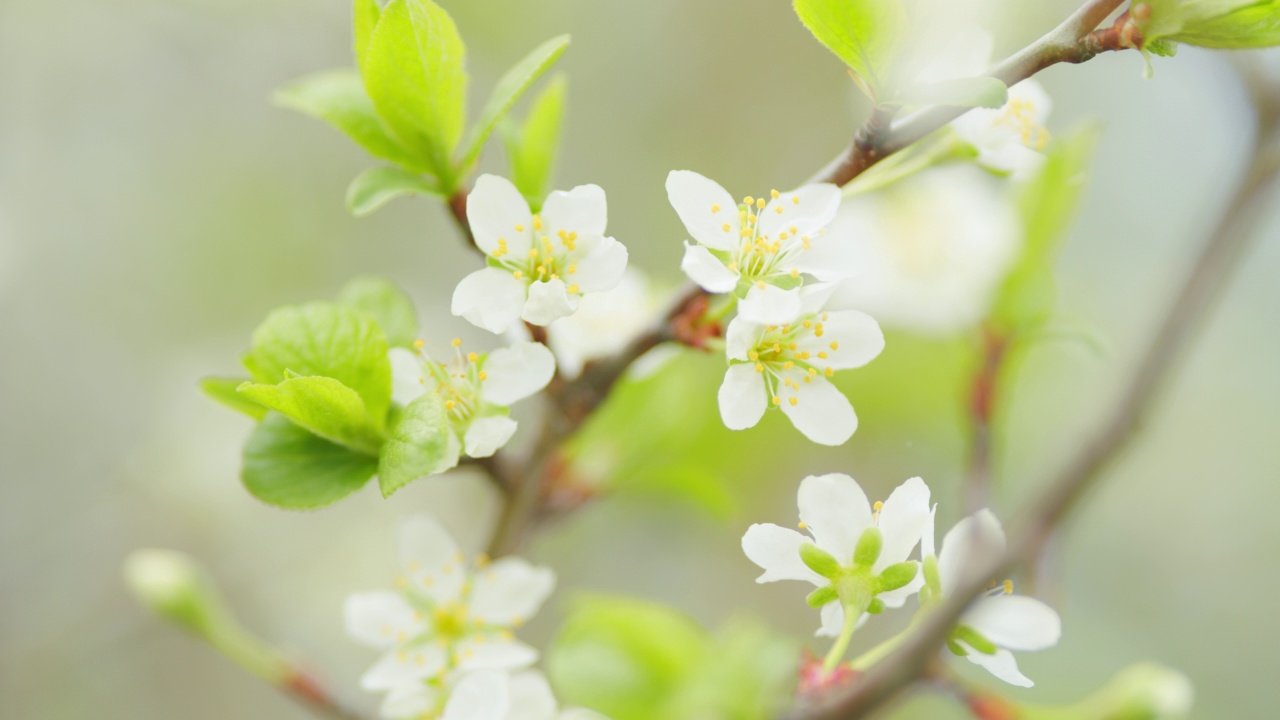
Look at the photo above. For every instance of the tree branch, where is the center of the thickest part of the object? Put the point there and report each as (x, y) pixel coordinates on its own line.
(1209, 275)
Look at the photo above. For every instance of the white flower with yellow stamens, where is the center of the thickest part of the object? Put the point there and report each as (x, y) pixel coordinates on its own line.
(447, 616)
(485, 695)
(477, 389)
(540, 265)
(788, 365)
(759, 249)
(1010, 139)
(997, 623)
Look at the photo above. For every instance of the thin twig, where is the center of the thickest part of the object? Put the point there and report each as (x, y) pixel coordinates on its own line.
(1209, 275)
(313, 697)
(982, 401)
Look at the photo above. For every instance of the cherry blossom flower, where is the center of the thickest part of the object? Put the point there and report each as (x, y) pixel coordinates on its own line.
(759, 249)
(487, 695)
(1010, 139)
(540, 264)
(997, 623)
(445, 616)
(930, 251)
(477, 389)
(855, 553)
(788, 366)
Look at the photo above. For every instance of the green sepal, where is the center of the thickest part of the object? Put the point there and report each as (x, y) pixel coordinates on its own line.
(390, 306)
(323, 406)
(974, 639)
(876, 607)
(287, 466)
(868, 548)
(932, 579)
(955, 648)
(822, 596)
(896, 576)
(223, 390)
(819, 561)
(422, 442)
(375, 187)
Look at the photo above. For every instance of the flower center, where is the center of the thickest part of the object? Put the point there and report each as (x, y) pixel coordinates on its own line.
(1020, 114)
(759, 256)
(451, 620)
(458, 382)
(779, 357)
(549, 258)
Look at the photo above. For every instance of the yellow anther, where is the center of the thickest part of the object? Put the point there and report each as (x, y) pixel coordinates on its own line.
(555, 276)
(751, 219)
(760, 204)
(777, 347)
(573, 269)
(744, 232)
(807, 324)
(537, 222)
(472, 357)
(792, 229)
(760, 284)
(822, 354)
(418, 343)
(457, 342)
(518, 274)
(829, 372)
(788, 365)
(773, 194)
(753, 355)
(777, 209)
(759, 367)
(805, 242)
(795, 272)
(803, 355)
(793, 400)
(817, 330)
(803, 525)
(777, 400)
(449, 405)
(1008, 587)
(715, 208)
(540, 269)
(825, 316)
(813, 371)
(748, 201)
(519, 228)
(483, 376)
(573, 289)
(835, 345)
(795, 199)
(533, 252)
(808, 378)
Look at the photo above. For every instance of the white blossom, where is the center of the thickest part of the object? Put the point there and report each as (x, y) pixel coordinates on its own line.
(788, 366)
(843, 524)
(477, 389)
(491, 695)
(540, 265)
(605, 325)
(446, 616)
(999, 622)
(931, 250)
(1010, 139)
(759, 249)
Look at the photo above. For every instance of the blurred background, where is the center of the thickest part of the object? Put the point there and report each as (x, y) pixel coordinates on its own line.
(154, 206)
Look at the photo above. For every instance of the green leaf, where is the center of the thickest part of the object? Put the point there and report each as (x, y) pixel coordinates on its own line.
(328, 340)
(338, 98)
(364, 18)
(749, 674)
(1176, 19)
(1250, 27)
(223, 389)
(388, 304)
(508, 90)
(324, 406)
(287, 466)
(373, 188)
(421, 443)
(532, 147)
(862, 33)
(414, 74)
(962, 92)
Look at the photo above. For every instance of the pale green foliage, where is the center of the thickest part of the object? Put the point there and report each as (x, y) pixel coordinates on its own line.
(532, 145)
(375, 187)
(338, 98)
(324, 406)
(421, 443)
(387, 304)
(862, 33)
(1214, 23)
(287, 466)
(509, 89)
(328, 340)
(223, 389)
(364, 19)
(637, 660)
(961, 92)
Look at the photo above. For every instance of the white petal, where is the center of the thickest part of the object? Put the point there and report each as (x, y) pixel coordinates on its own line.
(1002, 664)
(1016, 622)
(1031, 91)
(479, 654)
(742, 397)
(821, 412)
(480, 695)
(580, 714)
(857, 337)
(902, 521)
(1014, 158)
(430, 558)
(816, 297)
(398, 668)
(516, 372)
(706, 270)
(832, 620)
(927, 548)
(695, 199)
(380, 619)
(510, 591)
(548, 301)
(836, 512)
(740, 338)
(490, 299)
(770, 305)
(602, 269)
(486, 435)
(408, 701)
(777, 551)
(494, 208)
(816, 209)
(531, 697)
(976, 536)
(582, 210)
(408, 380)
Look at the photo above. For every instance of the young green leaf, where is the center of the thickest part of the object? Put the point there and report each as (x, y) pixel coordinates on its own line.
(375, 187)
(421, 443)
(1248, 27)
(364, 18)
(388, 304)
(328, 340)
(862, 33)
(287, 466)
(413, 71)
(223, 389)
(508, 90)
(324, 406)
(338, 98)
(532, 146)
(985, 92)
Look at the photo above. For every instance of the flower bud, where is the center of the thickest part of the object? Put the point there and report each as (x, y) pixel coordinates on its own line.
(868, 549)
(172, 585)
(1148, 691)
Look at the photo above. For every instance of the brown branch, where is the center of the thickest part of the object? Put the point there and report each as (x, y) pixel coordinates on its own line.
(995, 346)
(1207, 278)
(305, 690)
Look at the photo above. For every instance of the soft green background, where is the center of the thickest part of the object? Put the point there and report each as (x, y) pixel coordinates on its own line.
(154, 206)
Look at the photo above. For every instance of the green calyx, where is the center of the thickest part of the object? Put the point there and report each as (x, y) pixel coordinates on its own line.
(867, 551)
(972, 638)
(820, 561)
(856, 585)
